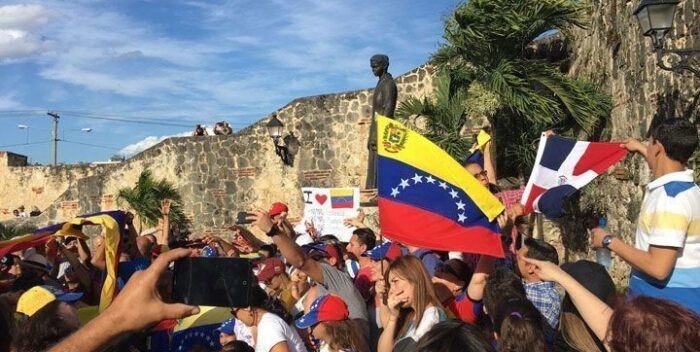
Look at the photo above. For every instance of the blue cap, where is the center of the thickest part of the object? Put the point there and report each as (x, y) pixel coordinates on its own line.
(208, 251)
(386, 250)
(227, 326)
(63, 296)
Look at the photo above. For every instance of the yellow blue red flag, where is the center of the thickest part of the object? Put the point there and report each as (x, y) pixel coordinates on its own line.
(427, 199)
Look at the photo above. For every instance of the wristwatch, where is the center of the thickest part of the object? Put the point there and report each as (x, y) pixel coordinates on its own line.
(607, 240)
(274, 231)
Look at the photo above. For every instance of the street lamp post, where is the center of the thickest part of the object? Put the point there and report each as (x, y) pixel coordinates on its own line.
(656, 19)
(26, 129)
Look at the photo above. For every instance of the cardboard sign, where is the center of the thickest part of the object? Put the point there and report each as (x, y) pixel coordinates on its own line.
(326, 208)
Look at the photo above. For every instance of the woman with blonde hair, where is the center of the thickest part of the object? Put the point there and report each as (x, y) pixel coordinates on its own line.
(411, 306)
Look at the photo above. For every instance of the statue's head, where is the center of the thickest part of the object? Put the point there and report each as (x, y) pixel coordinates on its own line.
(379, 64)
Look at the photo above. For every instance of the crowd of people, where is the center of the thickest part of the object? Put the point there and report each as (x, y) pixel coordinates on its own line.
(21, 213)
(316, 293)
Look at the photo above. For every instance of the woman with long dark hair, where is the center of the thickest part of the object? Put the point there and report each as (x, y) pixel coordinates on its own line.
(271, 323)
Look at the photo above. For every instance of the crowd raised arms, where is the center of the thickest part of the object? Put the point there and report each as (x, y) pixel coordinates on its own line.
(309, 291)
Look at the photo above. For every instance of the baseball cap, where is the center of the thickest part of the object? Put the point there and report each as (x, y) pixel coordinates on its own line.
(386, 250)
(269, 268)
(38, 297)
(8, 260)
(227, 326)
(209, 251)
(324, 308)
(593, 277)
(322, 249)
(35, 261)
(278, 208)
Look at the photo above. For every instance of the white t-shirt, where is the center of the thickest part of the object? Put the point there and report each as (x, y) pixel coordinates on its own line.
(273, 330)
(431, 316)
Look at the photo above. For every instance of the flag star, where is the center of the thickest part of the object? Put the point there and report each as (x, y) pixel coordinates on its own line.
(404, 184)
(395, 192)
(417, 178)
(430, 179)
(462, 218)
(453, 193)
(460, 205)
(443, 185)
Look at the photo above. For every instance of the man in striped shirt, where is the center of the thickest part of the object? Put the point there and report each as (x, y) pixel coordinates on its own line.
(666, 257)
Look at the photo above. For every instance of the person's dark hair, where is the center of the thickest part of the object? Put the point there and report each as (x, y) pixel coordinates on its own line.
(502, 284)
(366, 237)
(42, 330)
(652, 324)
(459, 269)
(454, 335)
(259, 299)
(679, 138)
(269, 248)
(237, 346)
(6, 324)
(519, 326)
(541, 250)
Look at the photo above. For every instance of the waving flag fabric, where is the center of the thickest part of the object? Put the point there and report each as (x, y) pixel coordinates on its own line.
(562, 167)
(111, 221)
(428, 200)
(476, 154)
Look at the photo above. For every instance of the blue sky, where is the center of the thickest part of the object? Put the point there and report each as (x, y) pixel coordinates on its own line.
(187, 62)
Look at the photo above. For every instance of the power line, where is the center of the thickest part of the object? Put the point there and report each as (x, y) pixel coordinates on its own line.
(134, 119)
(21, 144)
(118, 118)
(91, 145)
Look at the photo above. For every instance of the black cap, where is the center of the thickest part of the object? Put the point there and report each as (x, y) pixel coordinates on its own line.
(593, 277)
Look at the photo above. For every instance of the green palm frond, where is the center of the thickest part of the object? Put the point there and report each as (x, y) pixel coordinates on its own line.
(145, 198)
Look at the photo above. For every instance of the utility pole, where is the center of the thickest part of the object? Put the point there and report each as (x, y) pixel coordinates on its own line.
(54, 135)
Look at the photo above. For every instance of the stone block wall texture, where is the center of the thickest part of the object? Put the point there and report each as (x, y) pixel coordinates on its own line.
(613, 53)
(218, 176)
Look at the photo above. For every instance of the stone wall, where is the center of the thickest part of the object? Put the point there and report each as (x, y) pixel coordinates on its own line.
(218, 176)
(613, 53)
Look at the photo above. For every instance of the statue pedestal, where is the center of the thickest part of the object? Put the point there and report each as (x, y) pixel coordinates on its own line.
(369, 197)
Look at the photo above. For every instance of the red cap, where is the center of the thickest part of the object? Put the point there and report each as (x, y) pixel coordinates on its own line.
(278, 208)
(270, 268)
(326, 249)
(324, 308)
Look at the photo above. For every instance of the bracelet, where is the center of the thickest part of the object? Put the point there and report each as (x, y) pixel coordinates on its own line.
(274, 231)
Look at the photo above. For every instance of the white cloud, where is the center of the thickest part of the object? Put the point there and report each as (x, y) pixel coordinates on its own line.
(25, 17)
(138, 147)
(8, 102)
(18, 36)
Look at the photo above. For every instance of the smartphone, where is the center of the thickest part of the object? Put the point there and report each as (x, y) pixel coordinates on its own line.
(213, 281)
(241, 218)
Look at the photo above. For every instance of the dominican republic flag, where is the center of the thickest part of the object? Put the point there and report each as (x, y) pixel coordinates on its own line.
(562, 167)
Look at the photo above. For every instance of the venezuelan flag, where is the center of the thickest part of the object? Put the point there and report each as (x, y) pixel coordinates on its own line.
(342, 198)
(427, 199)
(111, 221)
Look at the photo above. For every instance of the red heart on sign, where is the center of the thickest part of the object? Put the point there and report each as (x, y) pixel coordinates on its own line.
(321, 198)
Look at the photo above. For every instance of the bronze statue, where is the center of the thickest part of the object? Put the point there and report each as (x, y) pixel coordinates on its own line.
(383, 103)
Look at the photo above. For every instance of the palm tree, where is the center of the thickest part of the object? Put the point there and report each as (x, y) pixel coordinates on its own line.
(9, 231)
(488, 42)
(444, 117)
(145, 200)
